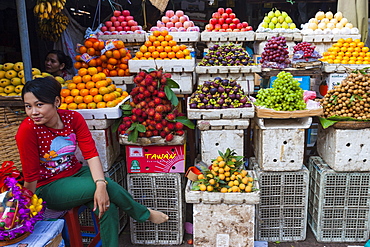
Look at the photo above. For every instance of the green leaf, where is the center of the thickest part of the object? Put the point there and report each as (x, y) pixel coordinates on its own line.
(151, 69)
(171, 83)
(132, 137)
(171, 96)
(185, 121)
(116, 124)
(127, 113)
(126, 107)
(141, 128)
(132, 127)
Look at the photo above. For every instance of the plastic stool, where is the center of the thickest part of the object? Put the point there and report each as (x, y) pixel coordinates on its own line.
(75, 233)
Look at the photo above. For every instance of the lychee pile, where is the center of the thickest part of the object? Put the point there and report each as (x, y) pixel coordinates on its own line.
(151, 108)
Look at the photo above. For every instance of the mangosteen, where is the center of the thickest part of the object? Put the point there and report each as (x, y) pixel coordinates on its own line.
(205, 101)
(207, 83)
(220, 101)
(237, 96)
(243, 100)
(213, 90)
(231, 95)
(201, 96)
(209, 95)
(211, 61)
(193, 105)
(224, 106)
(223, 95)
(209, 106)
(205, 89)
(227, 90)
(216, 106)
(221, 90)
(201, 106)
(247, 105)
(232, 83)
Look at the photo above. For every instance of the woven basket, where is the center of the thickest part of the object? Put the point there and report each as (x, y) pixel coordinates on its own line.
(9, 115)
(9, 150)
(352, 125)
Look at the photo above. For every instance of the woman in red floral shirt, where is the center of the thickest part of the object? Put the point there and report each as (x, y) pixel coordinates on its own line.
(47, 140)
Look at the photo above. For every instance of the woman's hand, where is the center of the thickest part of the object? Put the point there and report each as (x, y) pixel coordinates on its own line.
(101, 198)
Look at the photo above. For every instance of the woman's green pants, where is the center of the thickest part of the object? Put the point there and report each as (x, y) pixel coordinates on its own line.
(79, 189)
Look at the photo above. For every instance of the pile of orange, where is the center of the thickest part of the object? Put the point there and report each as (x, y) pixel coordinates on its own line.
(347, 51)
(160, 45)
(91, 89)
(114, 62)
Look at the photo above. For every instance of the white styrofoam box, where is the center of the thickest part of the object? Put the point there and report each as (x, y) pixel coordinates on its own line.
(186, 81)
(99, 124)
(173, 65)
(286, 151)
(223, 225)
(342, 68)
(344, 149)
(206, 197)
(287, 123)
(289, 36)
(213, 141)
(228, 69)
(103, 113)
(107, 144)
(258, 46)
(122, 80)
(129, 38)
(229, 113)
(227, 36)
(221, 124)
(328, 37)
(335, 79)
(182, 37)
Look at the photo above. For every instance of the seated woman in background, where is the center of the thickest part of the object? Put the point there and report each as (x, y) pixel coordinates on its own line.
(47, 140)
(58, 64)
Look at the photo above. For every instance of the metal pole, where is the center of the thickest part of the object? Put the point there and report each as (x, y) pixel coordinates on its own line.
(25, 43)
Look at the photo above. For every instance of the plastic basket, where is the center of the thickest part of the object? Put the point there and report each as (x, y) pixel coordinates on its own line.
(163, 192)
(282, 212)
(339, 203)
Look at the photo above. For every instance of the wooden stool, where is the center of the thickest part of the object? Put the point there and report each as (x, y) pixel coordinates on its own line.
(75, 229)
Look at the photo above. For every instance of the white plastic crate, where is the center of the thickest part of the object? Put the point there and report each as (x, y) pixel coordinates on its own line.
(124, 80)
(281, 214)
(163, 192)
(185, 37)
(342, 68)
(223, 124)
(339, 203)
(173, 65)
(103, 113)
(212, 141)
(279, 143)
(222, 37)
(99, 124)
(229, 113)
(186, 81)
(344, 149)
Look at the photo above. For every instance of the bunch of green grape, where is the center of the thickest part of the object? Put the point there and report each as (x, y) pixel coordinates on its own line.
(285, 94)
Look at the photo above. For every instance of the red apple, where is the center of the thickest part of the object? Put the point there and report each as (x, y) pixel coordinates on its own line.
(116, 13)
(131, 23)
(121, 18)
(228, 10)
(225, 15)
(216, 15)
(112, 29)
(228, 20)
(221, 21)
(232, 15)
(134, 28)
(232, 26)
(222, 30)
(217, 27)
(125, 12)
(113, 19)
(236, 21)
(229, 30)
(249, 28)
(209, 27)
(236, 30)
(129, 17)
(116, 23)
(126, 28)
(225, 26)
(213, 21)
(119, 28)
(124, 23)
(109, 23)
(104, 28)
(221, 10)
(245, 24)
(239, 26)
(107, 33)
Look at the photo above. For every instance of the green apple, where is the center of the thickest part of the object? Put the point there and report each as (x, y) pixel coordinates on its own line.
(284, 14)
(266, 19)
(277, 13)
(274, 20)
(265, 25)
(288, 19)
(271, 25)
(278, 25)
(285, 25)
(292, 26)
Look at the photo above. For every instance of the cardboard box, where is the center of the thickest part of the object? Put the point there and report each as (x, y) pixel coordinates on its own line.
(155, 159)
(335, 79)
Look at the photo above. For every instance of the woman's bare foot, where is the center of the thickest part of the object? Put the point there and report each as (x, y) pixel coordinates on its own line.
(157, 217)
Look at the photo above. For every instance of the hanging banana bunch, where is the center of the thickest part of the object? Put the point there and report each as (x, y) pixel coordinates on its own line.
(47, 9)
(51, 21)
(51, 29)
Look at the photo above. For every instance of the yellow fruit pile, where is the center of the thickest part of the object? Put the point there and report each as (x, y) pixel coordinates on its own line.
(161, 45)
(347, 51)
(12, 78)
(91, 89)
(226, 175)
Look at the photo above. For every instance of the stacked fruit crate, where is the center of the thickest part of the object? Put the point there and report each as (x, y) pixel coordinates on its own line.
(282, 212)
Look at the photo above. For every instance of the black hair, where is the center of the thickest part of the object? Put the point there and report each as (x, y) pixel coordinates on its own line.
(62, 58)
(45, 89)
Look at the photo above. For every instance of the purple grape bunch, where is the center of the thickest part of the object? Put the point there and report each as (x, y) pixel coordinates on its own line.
(305, 52)
(275, 54)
